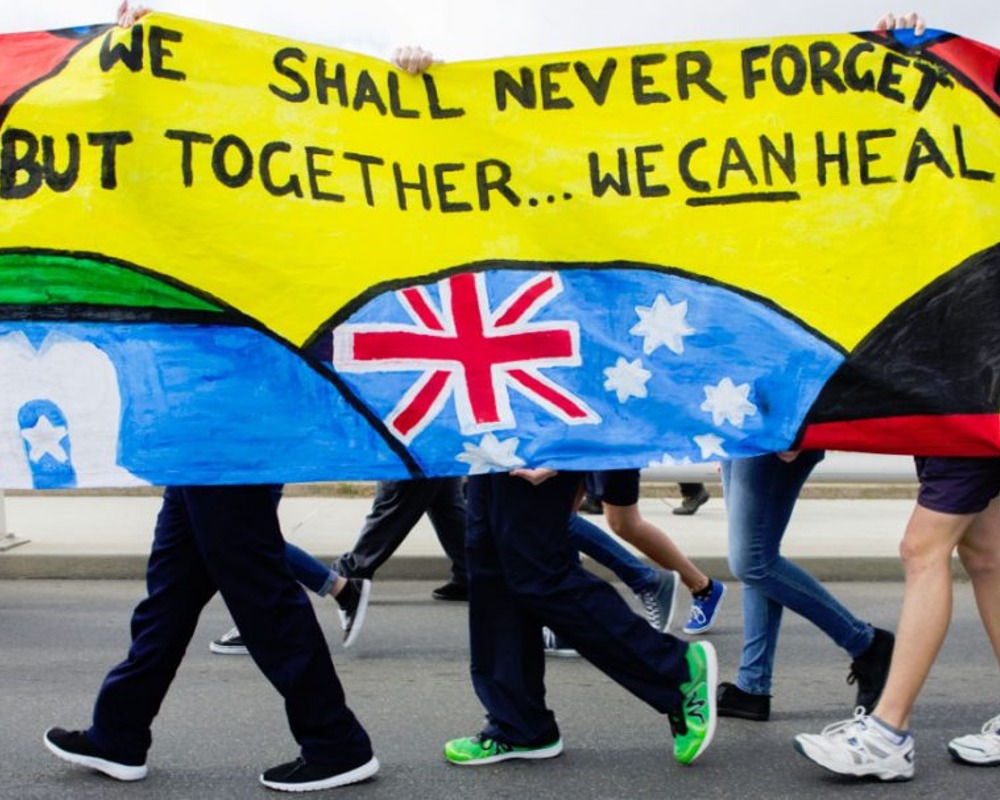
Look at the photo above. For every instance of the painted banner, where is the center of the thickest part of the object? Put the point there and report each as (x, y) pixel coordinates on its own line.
(228, 257)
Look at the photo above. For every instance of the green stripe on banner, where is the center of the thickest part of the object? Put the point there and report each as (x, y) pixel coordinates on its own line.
(51, 279)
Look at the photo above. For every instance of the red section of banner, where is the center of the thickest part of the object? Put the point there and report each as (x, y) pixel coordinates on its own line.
(978, 62)
(26, 57)
(969, 434)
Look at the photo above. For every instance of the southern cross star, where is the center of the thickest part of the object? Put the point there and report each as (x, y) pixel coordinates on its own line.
(662, 323)
(627, 379)
(491, 455)
(728, 402)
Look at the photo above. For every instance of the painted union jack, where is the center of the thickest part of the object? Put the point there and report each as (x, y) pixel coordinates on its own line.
(464, 348)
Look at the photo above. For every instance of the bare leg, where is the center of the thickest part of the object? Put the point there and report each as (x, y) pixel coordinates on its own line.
(630, 525)
(926, 549)
(980, 554)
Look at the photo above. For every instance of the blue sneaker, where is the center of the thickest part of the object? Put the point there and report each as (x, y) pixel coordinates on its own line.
(705, 609)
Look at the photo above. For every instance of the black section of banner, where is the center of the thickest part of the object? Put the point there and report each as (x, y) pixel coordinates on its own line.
(936, 353)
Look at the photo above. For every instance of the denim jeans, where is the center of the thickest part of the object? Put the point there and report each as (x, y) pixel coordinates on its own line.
(605, 549)
(760, 494)
(308, 570)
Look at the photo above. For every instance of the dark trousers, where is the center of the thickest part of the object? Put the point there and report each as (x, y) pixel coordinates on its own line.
(523, 574)
(227, 539)
(396, 509)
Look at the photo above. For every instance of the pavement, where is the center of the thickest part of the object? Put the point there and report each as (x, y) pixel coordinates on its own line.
(407, 679)
(839, 531)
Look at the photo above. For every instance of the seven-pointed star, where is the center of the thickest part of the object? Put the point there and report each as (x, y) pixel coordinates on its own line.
(711, 445)
(44, 438)
(662, 323)
(491, 455)
(728, 402)
(627, 379)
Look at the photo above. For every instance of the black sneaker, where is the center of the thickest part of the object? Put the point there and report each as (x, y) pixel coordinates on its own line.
(353, 602)
(870, 670)
(76, 748)
(690, 504)
(229, 644)
(451, 591)
(298, 776)
(732, 701)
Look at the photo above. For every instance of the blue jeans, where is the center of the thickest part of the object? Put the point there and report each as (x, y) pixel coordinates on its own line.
(760, 494)
(308, 570)
(605, 549)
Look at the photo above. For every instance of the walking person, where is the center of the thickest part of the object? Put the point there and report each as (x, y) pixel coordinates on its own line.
(760, 495)
(223, 539)
(524, 573)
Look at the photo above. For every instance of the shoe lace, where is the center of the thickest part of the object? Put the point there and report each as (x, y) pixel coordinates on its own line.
(992, 726)
(698, 615)
(232, 633)
(839, 729)
(548, 638)
(652, 608)
(489, 744)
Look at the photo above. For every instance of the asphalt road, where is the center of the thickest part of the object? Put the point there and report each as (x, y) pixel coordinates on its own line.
(407, 679)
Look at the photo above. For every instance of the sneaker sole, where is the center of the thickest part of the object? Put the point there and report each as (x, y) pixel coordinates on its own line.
(979, 760)
(222, 650)
(551, 751)
(819, 758)
(359, 614)
(120, 772)
(673, 602)
(362, 773)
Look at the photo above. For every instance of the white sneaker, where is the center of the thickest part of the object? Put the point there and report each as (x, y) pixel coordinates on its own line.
(858, 747)
(982, 749)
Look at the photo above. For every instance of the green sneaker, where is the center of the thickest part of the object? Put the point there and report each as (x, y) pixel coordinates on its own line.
(693, 724)
(476, 750)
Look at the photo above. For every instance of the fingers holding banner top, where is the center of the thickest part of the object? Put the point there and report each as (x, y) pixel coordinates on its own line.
(127, 14)
(891, 22)
(413, 60)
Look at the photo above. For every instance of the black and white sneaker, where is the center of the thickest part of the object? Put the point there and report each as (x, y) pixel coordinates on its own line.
(229, 644)
(76, 748)
(299, 776)
(353, 602)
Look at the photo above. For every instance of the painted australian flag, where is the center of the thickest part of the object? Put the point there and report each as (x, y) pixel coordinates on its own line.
(596, 366)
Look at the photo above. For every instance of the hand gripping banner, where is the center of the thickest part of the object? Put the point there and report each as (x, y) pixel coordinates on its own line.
(228, 257)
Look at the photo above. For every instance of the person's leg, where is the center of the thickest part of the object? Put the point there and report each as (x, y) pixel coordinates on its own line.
(928, 543)
(597, 543)
(507, 661)
(447, 514)
(178, 587)
(542, 570)
(308, 570)
(979, 550)
(619, 494)
(397, 507)
(760, 496)
(238, 536)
